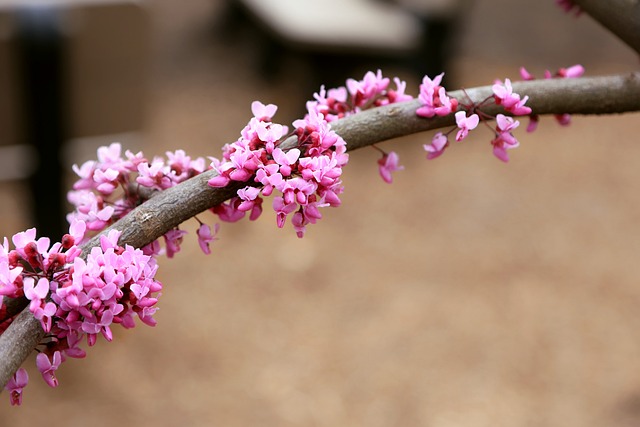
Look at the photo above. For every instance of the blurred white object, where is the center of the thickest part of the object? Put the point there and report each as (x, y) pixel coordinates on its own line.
(339, 25)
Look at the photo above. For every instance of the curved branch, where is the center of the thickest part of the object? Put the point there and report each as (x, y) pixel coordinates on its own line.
(168, 209)
(621, 17)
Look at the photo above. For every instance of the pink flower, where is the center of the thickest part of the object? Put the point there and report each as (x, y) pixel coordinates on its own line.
(434, 100)
(387, 165)
(399, 94)
(286, 160)
(504, 140)
(205, 237)
(366, 89)
(519, 109)
(37, 294)
(110, 240)
(110, 155)
(219, 181)
(173, 239)
(437, 146)
(48, 367)
(77, 230)
(21, 239)
(250, 202)
(154, 175)
(332, 104)
(525, 74)
(504, 95)
(85, 172)
(10, 276)
(16, 384)
(282, 210)
(263, 112)
(571, 72)
(107, 180)
(465, 124)
(92, 326)
(270, 134)
(228, 211)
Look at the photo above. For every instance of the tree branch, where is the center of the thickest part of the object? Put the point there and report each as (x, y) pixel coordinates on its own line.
(596, 95)
(621, 17)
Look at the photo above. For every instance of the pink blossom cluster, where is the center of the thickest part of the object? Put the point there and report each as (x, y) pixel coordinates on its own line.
(434, 101)
(306, 177)
(74, 298)
(374, 90)
(111, 186)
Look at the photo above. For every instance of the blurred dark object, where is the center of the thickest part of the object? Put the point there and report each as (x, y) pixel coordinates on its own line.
(40, 50)
(337, 36)
(68, 69)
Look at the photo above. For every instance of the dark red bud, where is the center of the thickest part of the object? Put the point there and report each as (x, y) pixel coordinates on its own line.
(67, 241)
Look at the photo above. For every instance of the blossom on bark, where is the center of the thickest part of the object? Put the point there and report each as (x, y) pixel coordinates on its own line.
(510, 101)
(434, 100)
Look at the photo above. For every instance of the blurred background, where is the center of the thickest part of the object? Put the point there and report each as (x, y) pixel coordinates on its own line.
(468, 293)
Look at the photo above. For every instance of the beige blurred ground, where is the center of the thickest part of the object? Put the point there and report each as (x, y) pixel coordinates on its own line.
(468, 293)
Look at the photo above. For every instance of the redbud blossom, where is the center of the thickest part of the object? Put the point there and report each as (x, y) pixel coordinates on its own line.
(173, 239)
(504, 140)
(387, 165)
(504, 95)
(465, 124)
(437, 146)
(48, 367)
(434, 100)
(205, 237)
(15, 385)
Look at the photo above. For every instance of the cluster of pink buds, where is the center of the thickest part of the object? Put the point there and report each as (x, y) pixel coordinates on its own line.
(434, 101)
(374, 90)
(75, 298)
